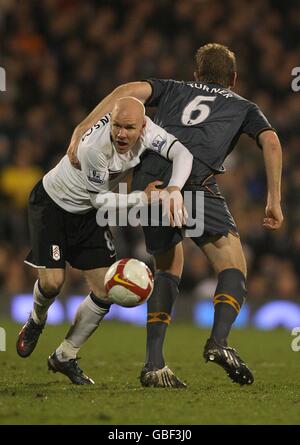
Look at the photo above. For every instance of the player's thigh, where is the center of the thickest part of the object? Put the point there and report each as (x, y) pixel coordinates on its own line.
(51, 280)
(171, 260)
(162, 242)
(226, 252)
(95, 280)
(92, 250)
(91, 246)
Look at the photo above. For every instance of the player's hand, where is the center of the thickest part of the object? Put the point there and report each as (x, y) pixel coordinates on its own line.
(173, 205)
(72, 151)
(274, 216)
(152, 192)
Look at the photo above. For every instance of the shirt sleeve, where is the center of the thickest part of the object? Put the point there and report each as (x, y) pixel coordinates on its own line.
(255, 123)
(159, 87)
(182, 164)
(168, 146)
(157, 139)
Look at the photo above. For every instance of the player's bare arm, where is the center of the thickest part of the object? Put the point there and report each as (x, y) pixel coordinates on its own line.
(273, 164)
(139, 90)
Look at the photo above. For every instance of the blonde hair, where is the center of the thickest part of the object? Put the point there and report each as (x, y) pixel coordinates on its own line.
(215, 63)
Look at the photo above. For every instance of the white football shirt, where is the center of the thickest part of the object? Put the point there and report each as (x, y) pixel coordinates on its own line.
(101, 165)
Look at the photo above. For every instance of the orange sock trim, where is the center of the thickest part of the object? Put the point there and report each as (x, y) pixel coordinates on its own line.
(159, 317)
(227, 299)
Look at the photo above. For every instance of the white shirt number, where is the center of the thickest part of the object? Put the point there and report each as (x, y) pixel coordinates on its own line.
(199, 110)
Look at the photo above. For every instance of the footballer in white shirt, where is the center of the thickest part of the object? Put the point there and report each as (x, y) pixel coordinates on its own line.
(63, 228)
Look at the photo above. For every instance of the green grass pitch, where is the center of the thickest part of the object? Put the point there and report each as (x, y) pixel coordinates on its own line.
(113, 356)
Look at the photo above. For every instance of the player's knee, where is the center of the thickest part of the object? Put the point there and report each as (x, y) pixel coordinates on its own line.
(95, 280)
(100, 301)
(97, 288)
(241, 266)
(51, 285)
(234, 266)
(172, 271)
(170, 262)
(233, 279)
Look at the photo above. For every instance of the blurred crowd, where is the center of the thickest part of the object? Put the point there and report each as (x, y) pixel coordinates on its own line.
(62, 56)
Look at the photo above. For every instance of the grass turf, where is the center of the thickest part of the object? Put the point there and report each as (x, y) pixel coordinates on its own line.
(30, 394)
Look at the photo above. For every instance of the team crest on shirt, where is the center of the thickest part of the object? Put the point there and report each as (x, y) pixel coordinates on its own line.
(96, 176)
(158, 143)
(55, 252)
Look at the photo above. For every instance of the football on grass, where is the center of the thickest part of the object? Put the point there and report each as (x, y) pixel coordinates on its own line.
(128, 282)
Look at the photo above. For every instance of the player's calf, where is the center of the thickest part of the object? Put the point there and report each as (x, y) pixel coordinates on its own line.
(229, 297)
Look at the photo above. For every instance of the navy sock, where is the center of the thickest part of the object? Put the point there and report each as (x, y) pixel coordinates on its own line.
(160, 306)
(228, 299)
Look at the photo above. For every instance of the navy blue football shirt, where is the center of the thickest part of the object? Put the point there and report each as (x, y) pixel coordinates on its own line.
(207, 118)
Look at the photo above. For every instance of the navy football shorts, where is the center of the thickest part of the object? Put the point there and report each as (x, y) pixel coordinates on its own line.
(58, 236)
(217, 219)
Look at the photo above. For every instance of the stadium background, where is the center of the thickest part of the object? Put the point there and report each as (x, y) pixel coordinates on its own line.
(62, 56)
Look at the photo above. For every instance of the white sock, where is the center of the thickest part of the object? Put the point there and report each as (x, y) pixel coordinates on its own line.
(41, 305)
(66, 351)
(87, 319)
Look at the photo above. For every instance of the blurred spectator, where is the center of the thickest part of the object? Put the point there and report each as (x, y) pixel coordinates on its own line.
(18, 178)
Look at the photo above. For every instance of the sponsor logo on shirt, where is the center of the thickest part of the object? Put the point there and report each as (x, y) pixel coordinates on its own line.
(96, 176)
(158, 143)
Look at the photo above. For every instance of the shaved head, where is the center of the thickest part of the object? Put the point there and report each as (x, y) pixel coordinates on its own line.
(130, 107)
(128, 122)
